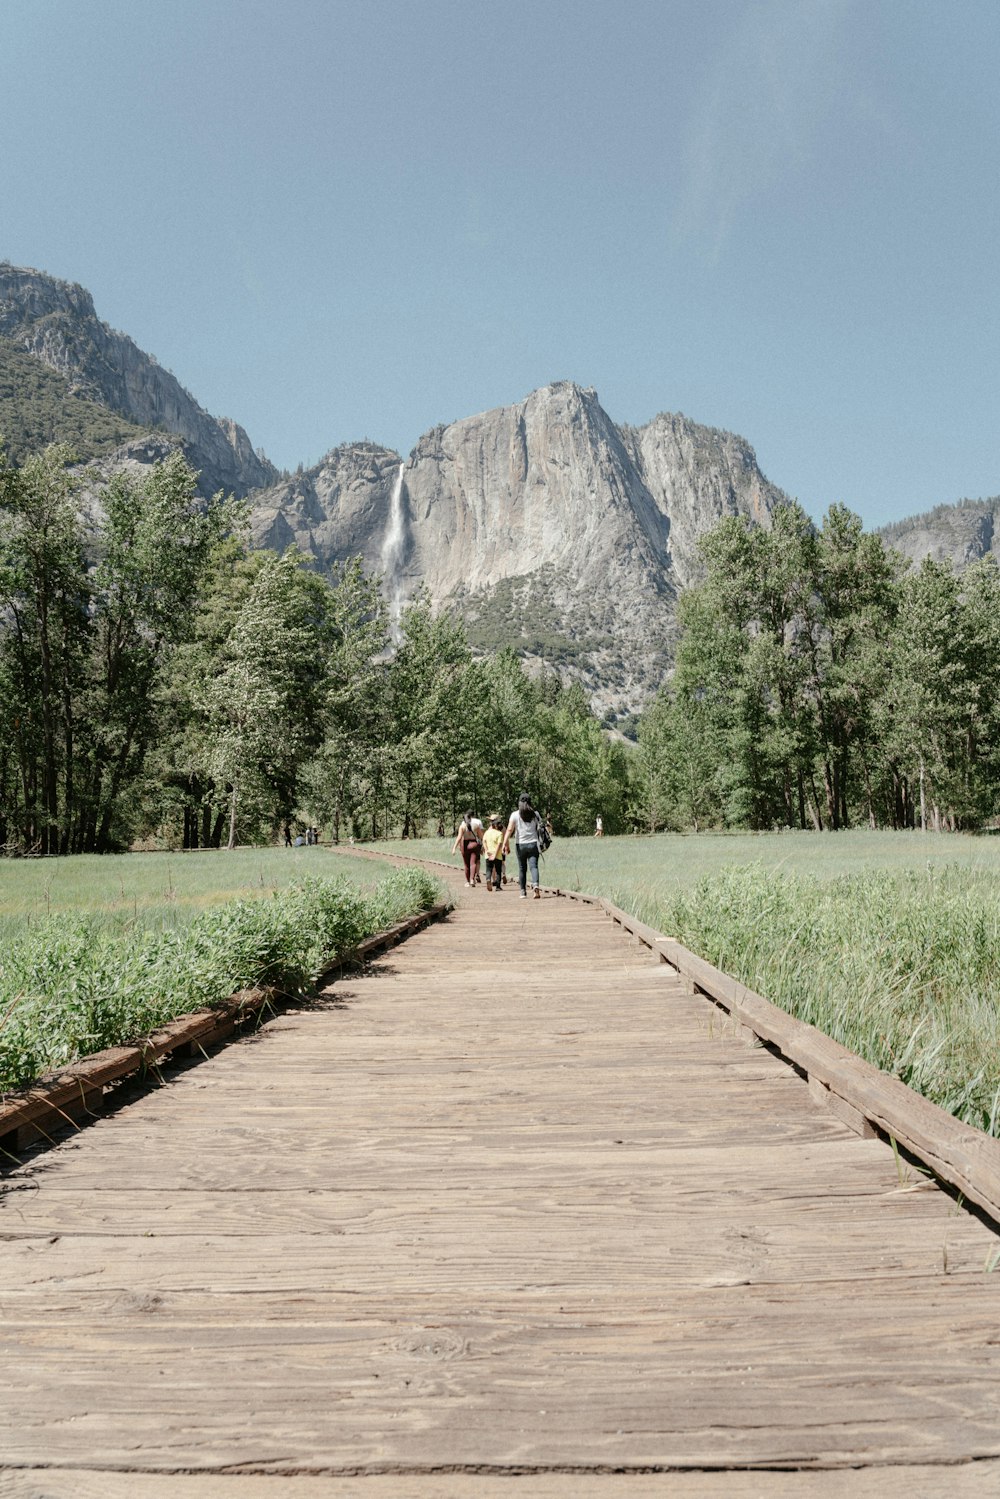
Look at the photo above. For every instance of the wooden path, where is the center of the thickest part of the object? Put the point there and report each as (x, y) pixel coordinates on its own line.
(509, 1214)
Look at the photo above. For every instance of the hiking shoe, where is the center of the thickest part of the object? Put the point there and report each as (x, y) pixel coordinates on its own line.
(524, 895)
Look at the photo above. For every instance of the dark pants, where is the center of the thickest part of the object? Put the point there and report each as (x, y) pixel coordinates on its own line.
(470, 858)
(494, 870)
(527, 858)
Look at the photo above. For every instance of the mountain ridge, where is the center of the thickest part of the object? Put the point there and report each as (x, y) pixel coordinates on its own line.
(961, 532)
(544, 523)
(56, 323)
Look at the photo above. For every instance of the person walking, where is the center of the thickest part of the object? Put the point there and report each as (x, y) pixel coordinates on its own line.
(470, 833)
(523, 828)
(492, 843)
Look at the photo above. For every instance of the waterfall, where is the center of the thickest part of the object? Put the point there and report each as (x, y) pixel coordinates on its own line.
(392, 552)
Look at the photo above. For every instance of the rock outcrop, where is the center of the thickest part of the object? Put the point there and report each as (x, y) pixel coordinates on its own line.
(336, 510)
(958, 534)
(55, 322)
(545, 524)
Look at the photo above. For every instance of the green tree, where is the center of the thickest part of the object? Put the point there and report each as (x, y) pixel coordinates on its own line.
(425, 705)
(263, 705)
(155, 543)
(356, 638)
(44, 596)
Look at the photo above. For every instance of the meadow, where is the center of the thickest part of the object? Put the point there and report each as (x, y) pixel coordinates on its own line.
(99, 952)
(155, 890)
(888, 942)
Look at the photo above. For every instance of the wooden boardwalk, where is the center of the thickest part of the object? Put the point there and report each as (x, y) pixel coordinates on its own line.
(511, 1213)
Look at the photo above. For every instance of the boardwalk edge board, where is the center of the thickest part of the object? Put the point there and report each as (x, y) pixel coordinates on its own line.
(863, 1097)
(867, 1100)
(75, 1094)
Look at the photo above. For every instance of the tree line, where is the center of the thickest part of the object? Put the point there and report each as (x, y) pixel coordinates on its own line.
(163, 681)
(821, 681)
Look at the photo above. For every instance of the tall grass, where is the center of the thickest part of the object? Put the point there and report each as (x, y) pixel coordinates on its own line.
(71, 985)
(902, 968)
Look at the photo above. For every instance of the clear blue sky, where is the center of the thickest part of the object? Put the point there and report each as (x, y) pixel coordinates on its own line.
(336, 219)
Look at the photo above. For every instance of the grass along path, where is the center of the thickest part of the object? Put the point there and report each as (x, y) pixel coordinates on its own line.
(75, 983)
(889, 943)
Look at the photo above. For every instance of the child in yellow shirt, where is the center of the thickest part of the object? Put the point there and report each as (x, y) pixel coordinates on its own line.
(492, 839)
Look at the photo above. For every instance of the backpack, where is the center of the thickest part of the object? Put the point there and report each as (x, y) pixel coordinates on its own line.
(544, 836)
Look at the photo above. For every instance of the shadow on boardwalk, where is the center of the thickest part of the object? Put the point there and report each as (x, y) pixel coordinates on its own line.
(510, 1203)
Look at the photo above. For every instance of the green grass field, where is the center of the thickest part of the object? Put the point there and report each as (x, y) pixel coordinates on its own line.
(98, 952)
(158, 891)
(890, 943)
(653, 868)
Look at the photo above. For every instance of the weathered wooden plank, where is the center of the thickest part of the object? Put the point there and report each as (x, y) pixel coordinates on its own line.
(976, 1480)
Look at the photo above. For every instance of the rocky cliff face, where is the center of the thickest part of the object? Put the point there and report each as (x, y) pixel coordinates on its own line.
(55, 322)
(545, 524)
(338, 509)
(959, 534)
(548, 526)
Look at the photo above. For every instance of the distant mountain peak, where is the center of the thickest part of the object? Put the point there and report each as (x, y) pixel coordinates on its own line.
(55, 322)
(543, 522)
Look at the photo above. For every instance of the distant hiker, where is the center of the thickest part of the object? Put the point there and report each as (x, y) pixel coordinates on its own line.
(288, 836)
(523, 827)
(299, 840)
(492, 844)
(470, 832)
(599, 827)
(309, 837)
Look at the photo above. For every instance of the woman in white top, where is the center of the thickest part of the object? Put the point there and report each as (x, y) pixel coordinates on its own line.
(523, 828)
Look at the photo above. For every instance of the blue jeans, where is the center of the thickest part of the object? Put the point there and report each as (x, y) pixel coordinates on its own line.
(527, 858)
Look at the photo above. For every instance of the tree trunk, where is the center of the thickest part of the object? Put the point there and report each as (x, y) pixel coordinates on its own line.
(232, 818)
(338, 803)
(814, 809)
(830, 787)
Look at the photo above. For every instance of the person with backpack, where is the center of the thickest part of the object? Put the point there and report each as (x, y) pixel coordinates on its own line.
(530, 838)
(470, 833)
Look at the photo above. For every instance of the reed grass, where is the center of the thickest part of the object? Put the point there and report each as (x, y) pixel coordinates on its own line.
(74, 984)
